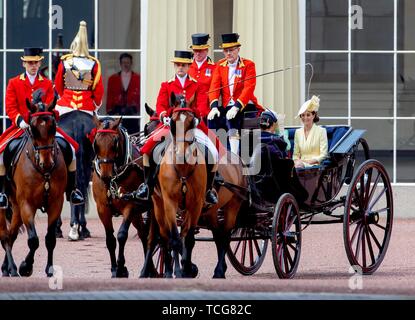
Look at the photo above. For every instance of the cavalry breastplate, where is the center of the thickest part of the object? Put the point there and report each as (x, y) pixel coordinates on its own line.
(78, 73)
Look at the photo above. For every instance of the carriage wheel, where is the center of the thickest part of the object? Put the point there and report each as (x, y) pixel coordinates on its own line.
(368, 216)
(246, 253)
(158, 260)
(286, 237)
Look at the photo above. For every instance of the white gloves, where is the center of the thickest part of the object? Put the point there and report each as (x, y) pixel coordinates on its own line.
(166, 121)
(196, 122)
(213, 113)
(232, 113)
(23, 125)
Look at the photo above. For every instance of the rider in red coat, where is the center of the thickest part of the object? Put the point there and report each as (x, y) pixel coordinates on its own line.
(19, 89)
(202, 67)
(182, 84)
(233, 81)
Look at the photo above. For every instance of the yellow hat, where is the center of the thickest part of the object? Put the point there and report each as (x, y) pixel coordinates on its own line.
(310, 105)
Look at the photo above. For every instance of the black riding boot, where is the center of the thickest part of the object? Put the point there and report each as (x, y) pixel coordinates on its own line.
(72, 193)
(4, 203)
(211, 195)
(145, 189)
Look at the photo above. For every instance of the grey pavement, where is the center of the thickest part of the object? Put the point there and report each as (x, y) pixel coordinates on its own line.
(193, 295)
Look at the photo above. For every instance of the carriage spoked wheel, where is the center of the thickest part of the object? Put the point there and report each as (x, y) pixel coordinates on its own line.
(286, 237)
(158, 261)
(246, 252)
(368, 216)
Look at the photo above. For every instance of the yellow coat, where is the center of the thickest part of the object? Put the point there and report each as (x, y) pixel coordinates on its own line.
(314, 147)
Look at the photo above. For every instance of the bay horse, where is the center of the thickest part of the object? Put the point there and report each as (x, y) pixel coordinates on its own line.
(180, 190)
(117, 170)
(38, 182)
(78, 125)
(232, 192)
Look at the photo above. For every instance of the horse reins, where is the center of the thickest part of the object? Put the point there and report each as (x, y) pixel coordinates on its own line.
(119, 171)
(36, 149)
(272, 72)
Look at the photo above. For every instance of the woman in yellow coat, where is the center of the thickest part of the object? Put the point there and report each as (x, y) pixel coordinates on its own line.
(310, 141)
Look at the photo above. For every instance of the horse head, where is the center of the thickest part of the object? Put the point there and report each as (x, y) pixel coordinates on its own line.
(154, 120)
(108, 146)
(42, 130)
(183, 121)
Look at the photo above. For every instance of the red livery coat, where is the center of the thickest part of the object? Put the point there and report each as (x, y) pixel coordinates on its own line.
(18, 90)
(203, 76)
(244, 84)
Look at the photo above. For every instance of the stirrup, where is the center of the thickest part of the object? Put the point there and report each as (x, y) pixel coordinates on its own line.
(77, 198)
(6, 204)
(143, 188)
(214, 196)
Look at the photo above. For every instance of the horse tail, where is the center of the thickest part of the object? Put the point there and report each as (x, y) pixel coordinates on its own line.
(83, 159)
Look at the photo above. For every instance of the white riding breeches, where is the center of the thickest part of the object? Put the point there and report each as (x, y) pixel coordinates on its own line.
(203, 139)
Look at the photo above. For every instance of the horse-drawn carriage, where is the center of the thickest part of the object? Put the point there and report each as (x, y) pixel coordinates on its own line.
(301, 194)
(281, 202)
(275, 205)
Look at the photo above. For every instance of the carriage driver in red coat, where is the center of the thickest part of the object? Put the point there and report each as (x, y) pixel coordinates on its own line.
(185, 85)
(19, 89)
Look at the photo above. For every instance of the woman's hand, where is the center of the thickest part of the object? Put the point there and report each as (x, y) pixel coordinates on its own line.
(299, 163)
(312, 161)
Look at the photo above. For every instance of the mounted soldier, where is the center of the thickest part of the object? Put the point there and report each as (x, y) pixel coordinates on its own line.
(79, 85)
(33, 87)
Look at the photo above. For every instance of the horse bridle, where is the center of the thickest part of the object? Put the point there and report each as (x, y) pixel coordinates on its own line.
(98, 161)
(37, 149)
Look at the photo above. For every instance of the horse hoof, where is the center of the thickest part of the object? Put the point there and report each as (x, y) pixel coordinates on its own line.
(73, 233)
(14, 273)
(218, 276)
(5, 271)
(49, 271)
(59, 234)
(25, 270)
(192, 273)
(195, 271)
(122, 272)
(84, 233)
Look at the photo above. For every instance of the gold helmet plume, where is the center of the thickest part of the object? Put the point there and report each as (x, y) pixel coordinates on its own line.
(79, 46)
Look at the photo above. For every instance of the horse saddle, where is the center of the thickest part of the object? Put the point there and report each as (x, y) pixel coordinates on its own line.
(66, 150)
(12, 153)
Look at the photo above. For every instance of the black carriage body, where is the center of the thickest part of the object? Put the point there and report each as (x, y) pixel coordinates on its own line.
(315, 188)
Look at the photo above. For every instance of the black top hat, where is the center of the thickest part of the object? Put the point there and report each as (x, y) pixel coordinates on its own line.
(230, 40)
(199, 41)
(32, 54)
(182, 57)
